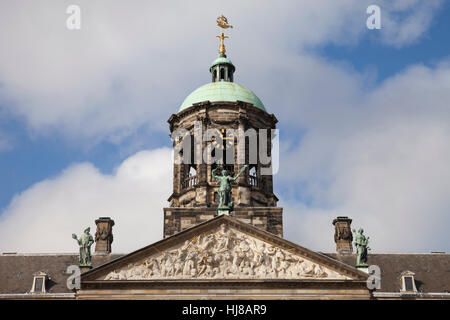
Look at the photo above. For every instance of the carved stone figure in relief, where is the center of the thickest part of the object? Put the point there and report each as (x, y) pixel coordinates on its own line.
(189, 265)
(222, 254)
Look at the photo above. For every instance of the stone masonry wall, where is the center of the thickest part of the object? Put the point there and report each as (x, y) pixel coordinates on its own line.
(269, 219)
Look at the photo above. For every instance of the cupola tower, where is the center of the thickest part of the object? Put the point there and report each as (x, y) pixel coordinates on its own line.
(222, 126)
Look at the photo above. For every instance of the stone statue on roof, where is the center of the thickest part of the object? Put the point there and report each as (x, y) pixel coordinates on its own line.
(362, 246)
(225, 187)
(85, 242)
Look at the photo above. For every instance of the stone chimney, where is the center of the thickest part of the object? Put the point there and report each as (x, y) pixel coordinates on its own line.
(103, 235)
(343, 234)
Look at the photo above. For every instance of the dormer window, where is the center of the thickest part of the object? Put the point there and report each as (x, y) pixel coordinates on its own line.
(408, 283)
(39, 283)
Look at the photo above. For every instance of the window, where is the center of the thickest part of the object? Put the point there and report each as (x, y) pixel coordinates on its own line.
(408, 283)
(39, 283)
(228, 167)
(252, 176)
(190, 176)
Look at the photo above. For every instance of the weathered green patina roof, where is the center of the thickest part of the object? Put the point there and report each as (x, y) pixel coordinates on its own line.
(222, 91)
(220, 60)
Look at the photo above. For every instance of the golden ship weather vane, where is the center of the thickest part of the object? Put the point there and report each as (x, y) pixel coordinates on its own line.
(222, 22)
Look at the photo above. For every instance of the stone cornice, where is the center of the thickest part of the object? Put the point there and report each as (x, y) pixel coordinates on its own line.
(226, 283)
(244, 110)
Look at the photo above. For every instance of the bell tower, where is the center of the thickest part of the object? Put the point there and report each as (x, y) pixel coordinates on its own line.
(222, 126)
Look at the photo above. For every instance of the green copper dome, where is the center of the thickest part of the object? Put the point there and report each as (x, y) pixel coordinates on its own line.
(222, 91)
(222, 87)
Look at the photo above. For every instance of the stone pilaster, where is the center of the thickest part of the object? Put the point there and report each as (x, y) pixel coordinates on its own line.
(103, 235)
(343, 234)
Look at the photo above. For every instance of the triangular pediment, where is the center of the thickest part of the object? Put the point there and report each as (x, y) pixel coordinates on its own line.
(223, 248)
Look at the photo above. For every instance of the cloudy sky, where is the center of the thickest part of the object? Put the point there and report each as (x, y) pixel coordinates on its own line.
(364, 115)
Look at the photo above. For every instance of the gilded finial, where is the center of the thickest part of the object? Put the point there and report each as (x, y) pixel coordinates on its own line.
(222, 22)
(222, 46)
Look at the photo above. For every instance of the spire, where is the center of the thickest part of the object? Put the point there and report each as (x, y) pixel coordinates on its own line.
(222, 50)
(222, 69)
(222, 22)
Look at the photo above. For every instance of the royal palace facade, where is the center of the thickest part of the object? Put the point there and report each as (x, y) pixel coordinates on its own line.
(223, 230)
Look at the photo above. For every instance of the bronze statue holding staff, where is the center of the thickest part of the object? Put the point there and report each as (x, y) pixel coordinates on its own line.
(225, 187)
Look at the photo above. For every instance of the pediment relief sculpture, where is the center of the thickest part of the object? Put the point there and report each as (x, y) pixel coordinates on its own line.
(223, 254)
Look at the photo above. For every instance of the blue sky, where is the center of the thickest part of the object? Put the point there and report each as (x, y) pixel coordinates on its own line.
(32, 159)
(387, 60)
(45, 138)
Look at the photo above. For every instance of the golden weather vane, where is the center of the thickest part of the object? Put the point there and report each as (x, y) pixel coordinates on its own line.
(222, 22)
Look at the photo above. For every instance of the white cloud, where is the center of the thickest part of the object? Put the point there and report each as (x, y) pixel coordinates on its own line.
(43, 218)
(379, 155)
(406, 21)
(127, 67)
(381, 158)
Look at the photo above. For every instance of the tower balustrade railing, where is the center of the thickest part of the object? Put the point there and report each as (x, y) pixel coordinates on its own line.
(189, 182)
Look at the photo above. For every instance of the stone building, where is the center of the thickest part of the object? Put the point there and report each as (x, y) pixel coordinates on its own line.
(241, 253)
